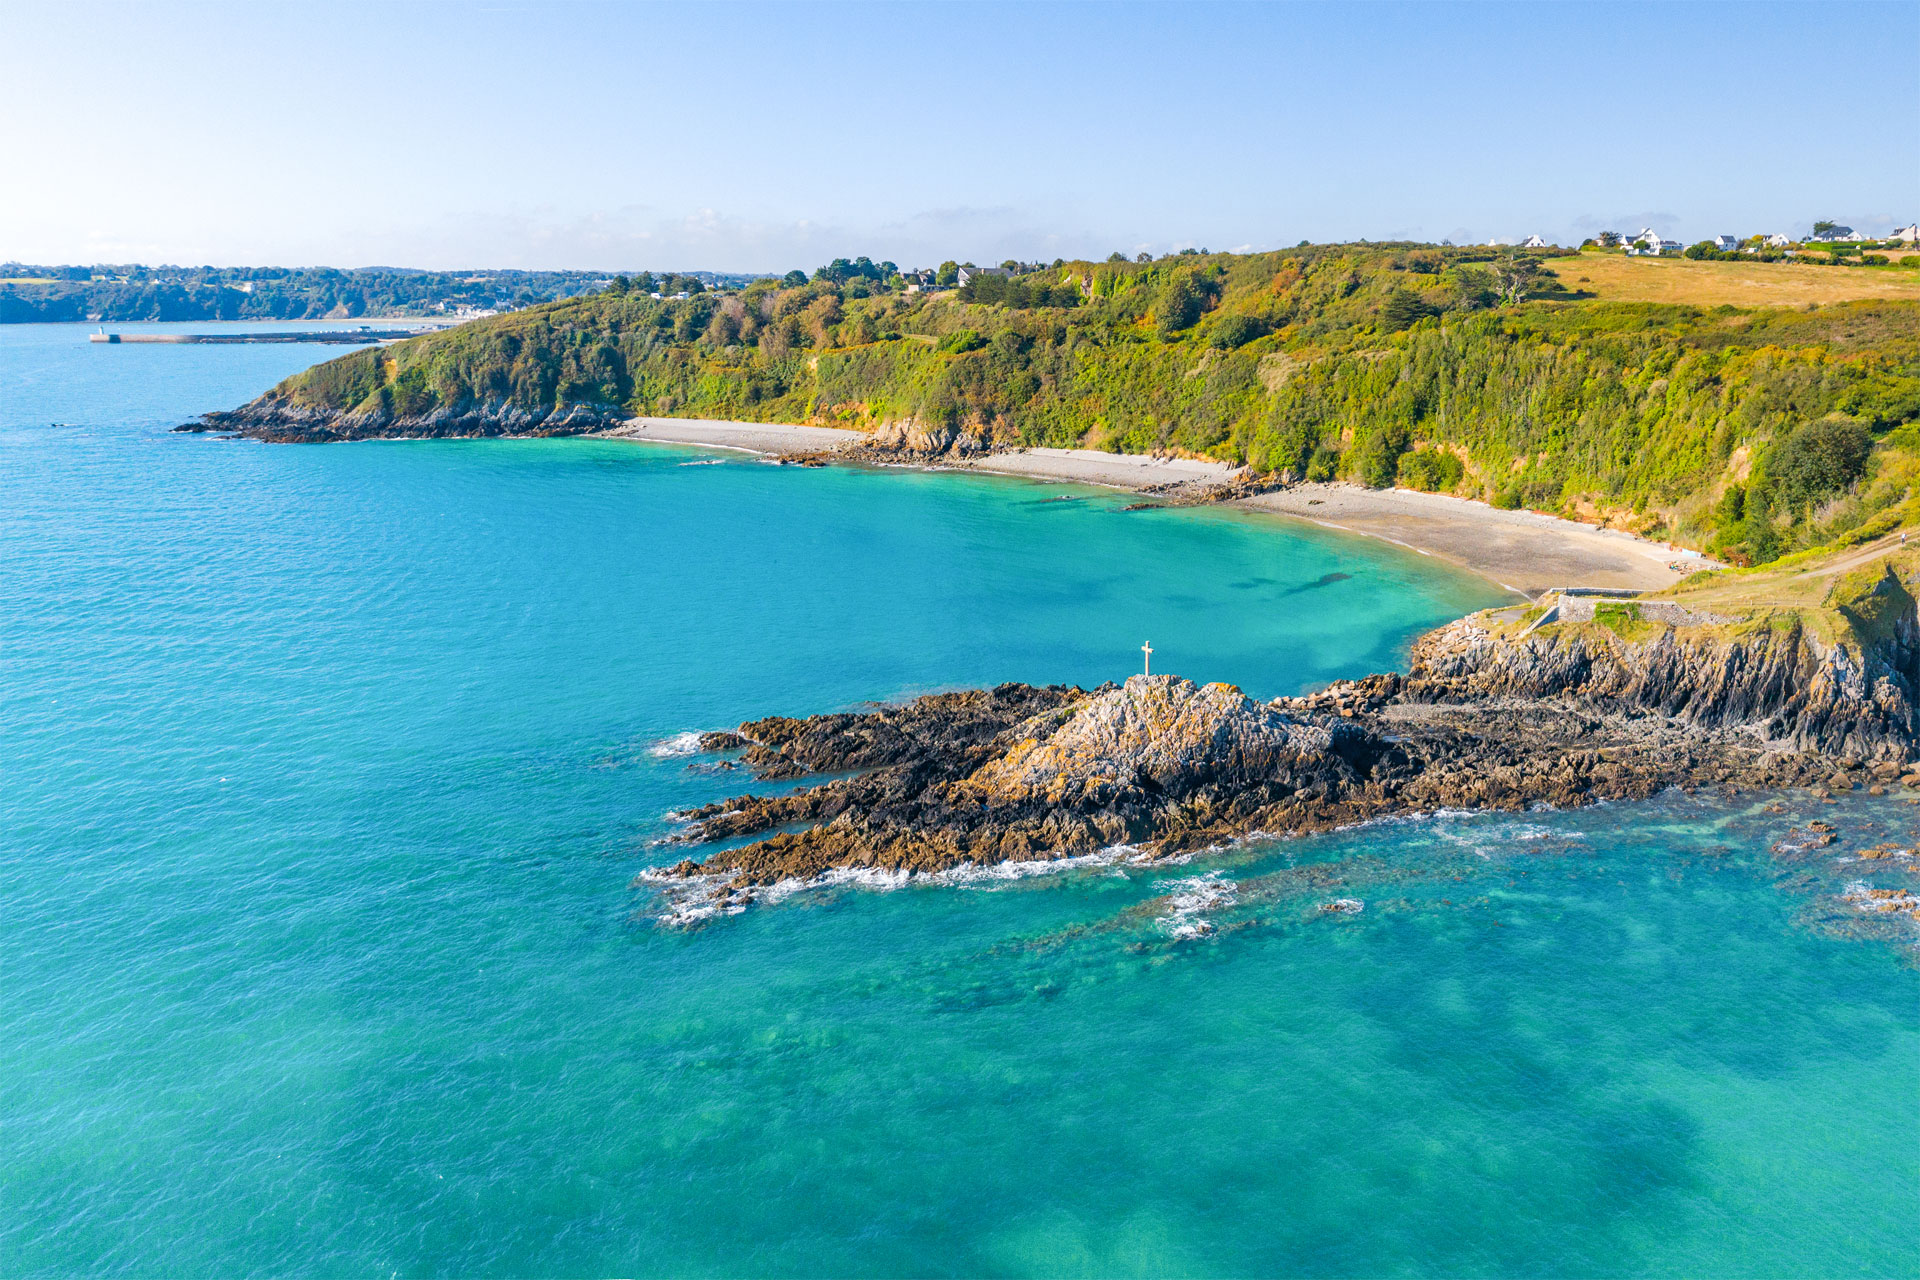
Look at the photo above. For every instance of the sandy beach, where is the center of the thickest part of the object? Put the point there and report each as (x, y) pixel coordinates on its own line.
(752, 437)
(1523, 551)
(1090, 466)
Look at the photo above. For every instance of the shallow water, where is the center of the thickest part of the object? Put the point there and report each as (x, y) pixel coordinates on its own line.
(326, 770)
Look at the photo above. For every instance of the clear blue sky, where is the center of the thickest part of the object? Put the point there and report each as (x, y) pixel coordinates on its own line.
(761, 137)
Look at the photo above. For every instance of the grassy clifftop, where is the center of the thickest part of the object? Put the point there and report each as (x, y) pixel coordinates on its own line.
(1751, 431)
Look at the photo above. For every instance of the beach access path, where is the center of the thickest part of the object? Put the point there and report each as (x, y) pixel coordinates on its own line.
(1525, 551)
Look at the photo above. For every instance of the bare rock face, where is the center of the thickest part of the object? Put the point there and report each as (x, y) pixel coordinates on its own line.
(917, 439)
(1773, 680)
(1156, 733)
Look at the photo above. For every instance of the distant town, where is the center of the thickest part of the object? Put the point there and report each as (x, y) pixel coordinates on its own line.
(1649, 243)
(132, 293)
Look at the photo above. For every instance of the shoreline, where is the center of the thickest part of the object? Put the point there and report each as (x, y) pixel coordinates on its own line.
(1524, 552)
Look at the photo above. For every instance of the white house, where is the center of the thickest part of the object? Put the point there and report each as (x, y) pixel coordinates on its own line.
(1832, 234)
(1725, 244)
(968, 273)
(1777, 241)
(1534, 242)
(1655, 246)
(1908, 234)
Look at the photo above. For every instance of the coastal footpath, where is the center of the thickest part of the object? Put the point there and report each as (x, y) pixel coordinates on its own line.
(1802, 677)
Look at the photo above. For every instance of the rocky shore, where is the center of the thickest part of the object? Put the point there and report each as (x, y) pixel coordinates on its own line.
(1486, 718)
(284, 422)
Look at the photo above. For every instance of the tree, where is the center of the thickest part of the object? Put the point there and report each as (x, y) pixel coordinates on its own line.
(1473, 287)
(1513, 275)
(1608, 239)
(1402, 310)
(793, 279)
(1821, 228)
(948, 275)
(723, 330)
(618, 285)
(1700, 251)
(1178, 305)
(1237, 331)
(1143, 256)
(1116, 256)
(1820, 458)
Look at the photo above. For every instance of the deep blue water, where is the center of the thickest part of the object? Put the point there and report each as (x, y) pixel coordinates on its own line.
(324, 772)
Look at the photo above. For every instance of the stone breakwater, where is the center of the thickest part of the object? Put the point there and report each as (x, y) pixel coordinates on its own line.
(1161, 765)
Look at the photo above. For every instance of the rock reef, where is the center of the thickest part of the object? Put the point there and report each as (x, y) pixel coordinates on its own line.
(1161, 765)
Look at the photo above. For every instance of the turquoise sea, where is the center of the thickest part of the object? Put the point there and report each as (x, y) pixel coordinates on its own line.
(324, 772)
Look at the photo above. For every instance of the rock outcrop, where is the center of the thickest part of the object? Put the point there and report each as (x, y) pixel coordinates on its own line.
(915, 439)
(1160, 765)
(1770, 677)
(286, 422)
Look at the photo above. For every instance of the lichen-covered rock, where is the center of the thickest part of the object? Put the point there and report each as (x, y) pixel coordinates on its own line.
(1157, 732)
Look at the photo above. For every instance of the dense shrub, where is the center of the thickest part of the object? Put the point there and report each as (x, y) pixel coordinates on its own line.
(1818, 459)
(1237, 331)
(1435, 470)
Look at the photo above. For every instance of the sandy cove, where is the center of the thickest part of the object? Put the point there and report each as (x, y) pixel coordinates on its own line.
(1523, 551)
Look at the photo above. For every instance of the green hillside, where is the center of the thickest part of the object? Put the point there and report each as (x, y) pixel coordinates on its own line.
(1752, 432)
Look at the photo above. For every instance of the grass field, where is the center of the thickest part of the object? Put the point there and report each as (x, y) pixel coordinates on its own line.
(1815, 585)
(1614, 277)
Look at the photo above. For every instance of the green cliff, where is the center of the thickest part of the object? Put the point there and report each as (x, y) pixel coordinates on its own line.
(1750, 431)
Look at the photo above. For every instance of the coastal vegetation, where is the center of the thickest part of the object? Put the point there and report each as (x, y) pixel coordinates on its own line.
(30, 293)
(1751, 431)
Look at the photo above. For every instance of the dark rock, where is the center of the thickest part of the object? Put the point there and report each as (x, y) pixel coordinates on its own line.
(285, 422)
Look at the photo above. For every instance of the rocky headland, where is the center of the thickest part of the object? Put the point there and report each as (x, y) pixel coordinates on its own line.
(278, 419)
(1502, 710)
